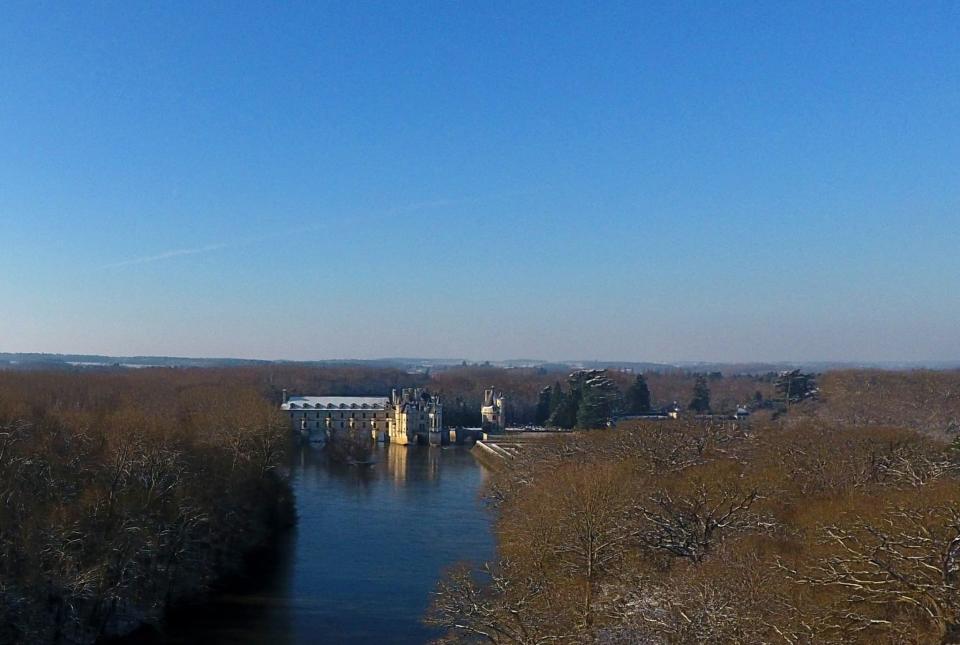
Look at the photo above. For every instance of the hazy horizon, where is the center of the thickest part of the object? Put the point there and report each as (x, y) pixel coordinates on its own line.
(946, 363)
(665, 182)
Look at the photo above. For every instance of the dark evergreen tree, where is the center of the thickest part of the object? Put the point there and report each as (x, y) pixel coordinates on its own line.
(557, 401)
(556, 396)
(598, 400)
(565, 414)
(543, 406)
(701, 396)
(795, 386)
(589, 402)
(638, 396)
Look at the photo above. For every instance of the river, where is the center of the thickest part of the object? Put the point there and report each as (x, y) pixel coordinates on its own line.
(368, 549)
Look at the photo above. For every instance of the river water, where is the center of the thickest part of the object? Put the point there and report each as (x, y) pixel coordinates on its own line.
(368, 549)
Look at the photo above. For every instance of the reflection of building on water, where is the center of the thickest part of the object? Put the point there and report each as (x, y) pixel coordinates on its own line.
(397, 465)
(400, 462)
(412, 416)
(433, 465)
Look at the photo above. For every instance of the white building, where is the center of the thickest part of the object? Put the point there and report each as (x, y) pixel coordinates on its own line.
(400, 418)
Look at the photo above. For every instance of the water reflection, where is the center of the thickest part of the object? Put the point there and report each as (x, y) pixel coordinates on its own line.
(367, 551)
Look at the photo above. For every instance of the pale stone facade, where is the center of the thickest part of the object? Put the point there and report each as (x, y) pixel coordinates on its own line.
(401, 418)
(321, 415)
(492, 411)
(414, 414)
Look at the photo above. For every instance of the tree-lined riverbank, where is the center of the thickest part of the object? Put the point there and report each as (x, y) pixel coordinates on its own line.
(836, 522)
(126, 493)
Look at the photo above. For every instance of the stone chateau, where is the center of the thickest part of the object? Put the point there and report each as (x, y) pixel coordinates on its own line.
(408, 417)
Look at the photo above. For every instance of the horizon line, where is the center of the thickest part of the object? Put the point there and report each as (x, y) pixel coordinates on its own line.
(479, 361)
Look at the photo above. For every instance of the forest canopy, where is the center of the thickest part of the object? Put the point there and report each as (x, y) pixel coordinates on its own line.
(830, 515)
(836, 522)
(126, 492)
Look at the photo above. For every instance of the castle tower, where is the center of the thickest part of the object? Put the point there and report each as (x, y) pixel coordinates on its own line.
(414, 416)
(493, 412)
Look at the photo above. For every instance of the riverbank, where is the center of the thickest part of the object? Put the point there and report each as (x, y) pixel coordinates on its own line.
(129, 493)
(257, 562)
(700, 530)
(500, 451)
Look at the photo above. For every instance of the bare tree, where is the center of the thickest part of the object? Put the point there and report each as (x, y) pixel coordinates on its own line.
(907, 559)
(498, 604)
(690, 525)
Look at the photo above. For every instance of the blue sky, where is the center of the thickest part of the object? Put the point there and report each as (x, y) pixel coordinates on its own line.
(647, 181)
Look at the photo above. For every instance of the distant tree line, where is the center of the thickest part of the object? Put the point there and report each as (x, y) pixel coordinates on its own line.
(461, 387)
(590, 401)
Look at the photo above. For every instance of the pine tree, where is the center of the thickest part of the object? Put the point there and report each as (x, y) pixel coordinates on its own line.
(589, 402)
(565, 414)
(598, 399)
(795, 386)
(595, 409)
(566, 404)
(561, 415)
(638, 396)
(543, 406)
(701, 396)
(556, 396)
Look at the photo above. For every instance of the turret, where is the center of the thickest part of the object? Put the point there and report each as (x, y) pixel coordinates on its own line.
(492, 411)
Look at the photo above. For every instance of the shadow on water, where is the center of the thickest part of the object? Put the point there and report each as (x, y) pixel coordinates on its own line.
(369, 546)
(248, 608)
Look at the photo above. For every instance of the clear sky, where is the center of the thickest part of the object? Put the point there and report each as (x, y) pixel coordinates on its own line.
(637, 180)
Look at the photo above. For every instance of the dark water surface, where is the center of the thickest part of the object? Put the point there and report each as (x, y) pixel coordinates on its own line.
(368, 548)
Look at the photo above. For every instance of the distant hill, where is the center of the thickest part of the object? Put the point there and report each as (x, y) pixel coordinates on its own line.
(34, 361)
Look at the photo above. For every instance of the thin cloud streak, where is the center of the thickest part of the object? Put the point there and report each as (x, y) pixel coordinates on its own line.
(165, 255)
(405, 209)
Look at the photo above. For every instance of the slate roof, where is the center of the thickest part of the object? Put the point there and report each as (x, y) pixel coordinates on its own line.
(335, 403)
